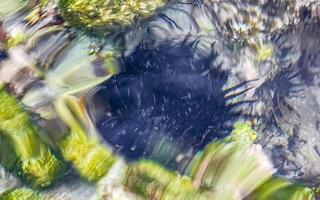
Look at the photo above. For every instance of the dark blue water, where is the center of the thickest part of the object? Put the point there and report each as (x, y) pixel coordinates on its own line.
(167, 99)
(166, 105)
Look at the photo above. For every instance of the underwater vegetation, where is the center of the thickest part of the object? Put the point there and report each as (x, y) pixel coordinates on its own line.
(191, 99)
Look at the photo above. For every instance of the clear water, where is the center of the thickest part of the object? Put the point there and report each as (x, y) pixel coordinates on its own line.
(186, 75)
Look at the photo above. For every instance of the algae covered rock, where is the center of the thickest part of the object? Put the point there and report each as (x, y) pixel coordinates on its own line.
(107, 14)
(36, 161)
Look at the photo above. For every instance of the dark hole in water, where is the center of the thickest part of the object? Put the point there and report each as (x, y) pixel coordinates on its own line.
(163, 105)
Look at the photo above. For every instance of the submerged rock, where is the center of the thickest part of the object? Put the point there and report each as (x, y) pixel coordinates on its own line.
(290, 96)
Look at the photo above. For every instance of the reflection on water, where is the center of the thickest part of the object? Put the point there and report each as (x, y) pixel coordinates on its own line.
(103, 84)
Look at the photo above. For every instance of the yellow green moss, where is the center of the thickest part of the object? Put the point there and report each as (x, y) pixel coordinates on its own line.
(20, 194)
(101, 14)
(90, 159)
(264, 52)
(37, 162)
(16, 40)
